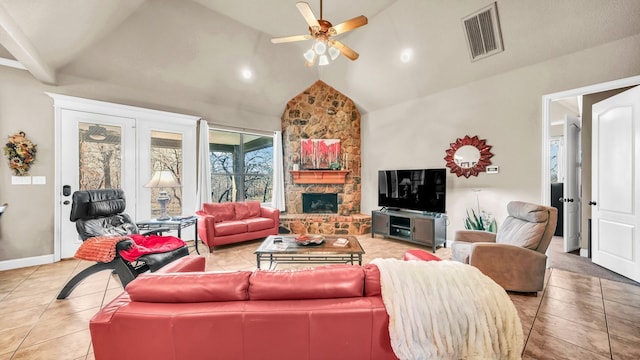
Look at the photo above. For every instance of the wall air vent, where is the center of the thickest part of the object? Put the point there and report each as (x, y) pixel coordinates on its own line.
(483, 32)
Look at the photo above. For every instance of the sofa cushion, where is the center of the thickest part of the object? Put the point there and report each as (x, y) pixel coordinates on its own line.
(521, 233)
(316, 283)
(460, 251)
(242, 210)
(221, 211)
(254, 208)
(230, 227)
(257, 224)
(190, 287)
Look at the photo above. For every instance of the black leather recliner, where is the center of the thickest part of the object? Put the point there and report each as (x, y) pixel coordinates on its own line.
(101, 212)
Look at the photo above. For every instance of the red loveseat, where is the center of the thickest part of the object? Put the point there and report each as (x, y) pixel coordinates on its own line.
(330, 312)
(232, 222)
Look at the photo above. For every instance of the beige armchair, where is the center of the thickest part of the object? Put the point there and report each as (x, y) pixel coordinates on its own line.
(515, 256)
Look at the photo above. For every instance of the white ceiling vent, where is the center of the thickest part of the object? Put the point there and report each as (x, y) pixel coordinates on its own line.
(483, 32)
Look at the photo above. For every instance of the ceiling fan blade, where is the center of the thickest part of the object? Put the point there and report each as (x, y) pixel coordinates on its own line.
(349, 25)
(291, 38)
(306, 12)
(345, 50)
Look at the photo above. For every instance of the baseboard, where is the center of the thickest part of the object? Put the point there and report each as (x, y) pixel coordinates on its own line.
(584, 252)
(26, 262)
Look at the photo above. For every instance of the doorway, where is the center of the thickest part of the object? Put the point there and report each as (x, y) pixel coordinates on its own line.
(584, 96)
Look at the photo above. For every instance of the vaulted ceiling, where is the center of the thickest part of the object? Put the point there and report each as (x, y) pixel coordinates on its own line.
(198, 48)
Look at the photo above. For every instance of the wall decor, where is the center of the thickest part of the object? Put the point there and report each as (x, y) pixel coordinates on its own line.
(468, 156)
(319, 154)
(21, 153)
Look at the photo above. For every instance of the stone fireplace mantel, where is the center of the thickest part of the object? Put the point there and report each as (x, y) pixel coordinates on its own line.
(319, 176)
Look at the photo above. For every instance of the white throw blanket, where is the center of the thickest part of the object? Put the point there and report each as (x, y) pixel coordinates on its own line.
(447, 310)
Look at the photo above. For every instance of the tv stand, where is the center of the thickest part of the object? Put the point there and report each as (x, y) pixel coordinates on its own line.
(424, 229)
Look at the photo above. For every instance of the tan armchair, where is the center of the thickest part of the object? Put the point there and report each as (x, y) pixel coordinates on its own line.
(515, 256)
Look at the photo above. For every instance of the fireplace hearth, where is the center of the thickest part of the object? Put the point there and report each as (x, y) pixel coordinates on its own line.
(319, 203)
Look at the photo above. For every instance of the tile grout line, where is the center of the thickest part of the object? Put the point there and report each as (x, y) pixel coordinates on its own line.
(544, 291)
(606, 322)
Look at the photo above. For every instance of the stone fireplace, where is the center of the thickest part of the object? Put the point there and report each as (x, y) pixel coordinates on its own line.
(322, 112)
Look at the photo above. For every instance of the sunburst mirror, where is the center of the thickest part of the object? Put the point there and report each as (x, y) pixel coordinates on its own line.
(468, 156)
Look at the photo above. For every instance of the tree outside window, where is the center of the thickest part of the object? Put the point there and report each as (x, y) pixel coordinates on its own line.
(241, 166)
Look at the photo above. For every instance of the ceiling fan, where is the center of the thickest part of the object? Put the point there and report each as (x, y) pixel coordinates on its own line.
(322, 31)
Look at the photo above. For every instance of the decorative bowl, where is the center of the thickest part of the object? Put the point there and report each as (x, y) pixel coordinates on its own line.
(309, 239)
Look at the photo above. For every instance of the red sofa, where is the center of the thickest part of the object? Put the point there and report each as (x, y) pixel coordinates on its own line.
(330, 312)
(232, 222)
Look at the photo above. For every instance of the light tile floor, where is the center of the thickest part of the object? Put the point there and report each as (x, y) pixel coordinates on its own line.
(574, 317)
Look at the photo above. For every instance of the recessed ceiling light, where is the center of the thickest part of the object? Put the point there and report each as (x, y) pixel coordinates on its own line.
(406, 55)
(246, 73)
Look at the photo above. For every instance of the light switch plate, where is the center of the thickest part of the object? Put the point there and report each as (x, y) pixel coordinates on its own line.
(39, 180)
(493, 169)
(20, 180)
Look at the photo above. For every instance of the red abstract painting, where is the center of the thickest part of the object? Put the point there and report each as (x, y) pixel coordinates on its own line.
(319, 153)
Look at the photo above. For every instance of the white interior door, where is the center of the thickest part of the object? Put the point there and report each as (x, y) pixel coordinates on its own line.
(97, 152)
(615, 184)
(571, 194)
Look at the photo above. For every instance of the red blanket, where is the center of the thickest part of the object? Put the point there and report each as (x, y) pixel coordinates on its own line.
(151, 244)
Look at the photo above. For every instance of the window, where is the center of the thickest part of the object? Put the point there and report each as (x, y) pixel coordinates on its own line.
(241, 166)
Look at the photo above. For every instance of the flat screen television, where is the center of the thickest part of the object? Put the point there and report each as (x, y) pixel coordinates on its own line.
(420, 189)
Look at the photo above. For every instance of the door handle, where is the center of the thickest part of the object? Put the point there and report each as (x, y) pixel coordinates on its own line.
(66, 202)
(593, 203)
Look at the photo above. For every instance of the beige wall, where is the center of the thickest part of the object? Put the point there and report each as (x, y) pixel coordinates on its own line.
(26, 227)
(505, 109)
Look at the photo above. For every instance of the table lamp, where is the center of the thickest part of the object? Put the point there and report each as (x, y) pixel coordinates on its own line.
(163, 179)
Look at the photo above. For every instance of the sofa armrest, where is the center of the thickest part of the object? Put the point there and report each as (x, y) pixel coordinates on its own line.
(513, 267)
(202, 213)
(271, 213)
(206, 227)
(474, 236)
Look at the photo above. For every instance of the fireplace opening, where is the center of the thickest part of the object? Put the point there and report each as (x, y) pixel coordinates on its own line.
(316, 203)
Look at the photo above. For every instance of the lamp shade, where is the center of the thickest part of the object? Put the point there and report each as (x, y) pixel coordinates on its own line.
(162, 179)
(405, 182)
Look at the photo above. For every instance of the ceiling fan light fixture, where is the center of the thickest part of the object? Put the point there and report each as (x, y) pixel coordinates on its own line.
(320, 47)
(333, 53)
(310, 55)
(324, 60)
(322, 31)
(97, 133)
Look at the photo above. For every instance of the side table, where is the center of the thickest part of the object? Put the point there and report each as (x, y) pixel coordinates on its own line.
(175, 223)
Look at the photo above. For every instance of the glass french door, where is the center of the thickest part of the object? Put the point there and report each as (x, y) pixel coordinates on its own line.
(97, 154)
(102, 151)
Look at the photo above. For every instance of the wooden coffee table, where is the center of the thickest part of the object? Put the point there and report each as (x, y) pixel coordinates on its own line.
(288, 252)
